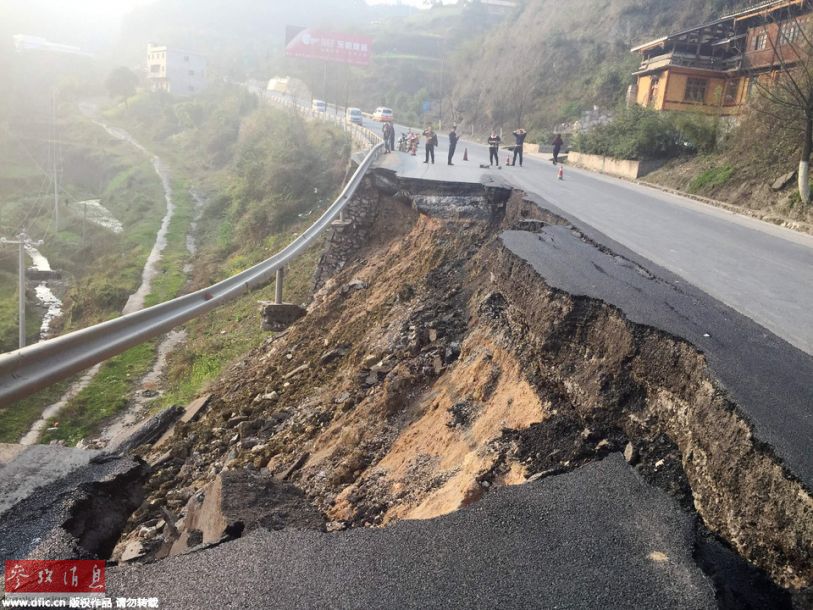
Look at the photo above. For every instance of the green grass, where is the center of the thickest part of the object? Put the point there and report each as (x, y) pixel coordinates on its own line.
(17, 419)
(103, 270)
(104, 397)
(107, 395)
(711, 179)
(208, 350)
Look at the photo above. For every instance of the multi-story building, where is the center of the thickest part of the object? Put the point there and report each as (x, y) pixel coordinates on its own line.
(713, 67)
(176, 71)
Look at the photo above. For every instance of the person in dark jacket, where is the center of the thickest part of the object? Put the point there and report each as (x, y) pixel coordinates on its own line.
(385, 129)
(392, 136)
(453, 138)
(557, 147)
(431, 142)
(519, 137)
(494, 148)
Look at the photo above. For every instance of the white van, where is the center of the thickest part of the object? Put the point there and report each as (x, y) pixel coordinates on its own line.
(354, 115)
(319, 106)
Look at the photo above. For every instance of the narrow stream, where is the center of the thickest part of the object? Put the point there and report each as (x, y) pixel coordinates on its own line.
(136, 300)
(96, 213)
(46, 297)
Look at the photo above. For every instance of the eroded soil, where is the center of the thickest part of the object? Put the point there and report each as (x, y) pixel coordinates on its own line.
(436, 366)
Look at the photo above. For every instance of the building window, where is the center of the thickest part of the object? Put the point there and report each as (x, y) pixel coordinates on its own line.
(760, 41)
(730, 95)
(653, 91)
(789, 32)
(696, 90)
(752, 82)
(155, 68)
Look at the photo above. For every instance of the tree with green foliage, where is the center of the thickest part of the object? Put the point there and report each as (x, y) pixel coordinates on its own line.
(122, 82)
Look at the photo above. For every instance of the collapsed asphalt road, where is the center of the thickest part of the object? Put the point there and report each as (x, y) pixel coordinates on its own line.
(768, 378)
(587, 539)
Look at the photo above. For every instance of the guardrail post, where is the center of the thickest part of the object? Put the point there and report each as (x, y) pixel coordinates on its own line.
(278, 286)
(22, 290)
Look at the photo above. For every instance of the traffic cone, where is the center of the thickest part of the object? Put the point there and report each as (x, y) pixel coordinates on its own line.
(561, 173)
(466, 154)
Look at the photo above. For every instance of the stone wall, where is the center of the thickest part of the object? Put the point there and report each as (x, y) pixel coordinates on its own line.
(349, 235)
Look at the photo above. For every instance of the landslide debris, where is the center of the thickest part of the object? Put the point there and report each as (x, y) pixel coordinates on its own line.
(436, 365)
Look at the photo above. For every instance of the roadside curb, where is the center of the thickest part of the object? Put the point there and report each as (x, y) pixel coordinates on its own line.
(799, 226)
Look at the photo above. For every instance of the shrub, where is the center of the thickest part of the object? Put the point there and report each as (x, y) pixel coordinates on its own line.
(711, 179)
(640, 133)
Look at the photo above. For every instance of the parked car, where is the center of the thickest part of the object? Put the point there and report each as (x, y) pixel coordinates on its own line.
(383, 114)
(353, 115)
(319, 106)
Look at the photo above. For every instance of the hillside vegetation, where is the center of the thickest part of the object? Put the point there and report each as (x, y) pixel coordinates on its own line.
(553, 59)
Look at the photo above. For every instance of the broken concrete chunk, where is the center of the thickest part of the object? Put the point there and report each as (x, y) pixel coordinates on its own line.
(783, 181)
(239, 501)
(269, 397)
(279, 316)
(354, 285)
(247, 429)
(630, 454)
(334, 354)
(146, 432)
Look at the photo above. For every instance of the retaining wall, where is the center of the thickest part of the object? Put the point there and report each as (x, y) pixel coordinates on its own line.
(623, 168)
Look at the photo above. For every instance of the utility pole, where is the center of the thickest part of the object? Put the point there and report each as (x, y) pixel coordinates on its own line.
(55, 160)
(22, 241)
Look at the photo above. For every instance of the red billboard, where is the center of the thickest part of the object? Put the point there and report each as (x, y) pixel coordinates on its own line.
(328, 46)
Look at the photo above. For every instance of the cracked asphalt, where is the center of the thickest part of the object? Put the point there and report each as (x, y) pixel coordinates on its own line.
(598, 537)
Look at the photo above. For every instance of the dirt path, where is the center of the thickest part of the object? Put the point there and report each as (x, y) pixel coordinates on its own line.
(136, 300)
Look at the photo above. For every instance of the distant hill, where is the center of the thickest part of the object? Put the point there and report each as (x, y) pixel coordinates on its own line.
(554, 59)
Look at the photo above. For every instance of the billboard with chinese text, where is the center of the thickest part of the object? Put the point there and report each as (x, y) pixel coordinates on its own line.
(311, 43)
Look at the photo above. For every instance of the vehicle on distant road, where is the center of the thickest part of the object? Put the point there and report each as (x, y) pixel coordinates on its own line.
(319, 106)
(383, 114)
(354, 115)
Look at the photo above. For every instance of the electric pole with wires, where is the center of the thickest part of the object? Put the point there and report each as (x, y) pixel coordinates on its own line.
(22, 241)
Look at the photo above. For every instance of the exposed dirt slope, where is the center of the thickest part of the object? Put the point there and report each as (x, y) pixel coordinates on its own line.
(438, 365)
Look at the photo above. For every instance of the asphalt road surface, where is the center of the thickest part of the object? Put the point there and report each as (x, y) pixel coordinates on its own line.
(596, 538)
(760, 270)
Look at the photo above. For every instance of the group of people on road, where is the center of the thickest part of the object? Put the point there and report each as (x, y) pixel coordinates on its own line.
(494, 142)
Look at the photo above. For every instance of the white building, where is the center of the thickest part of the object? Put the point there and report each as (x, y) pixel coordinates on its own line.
(176, 71)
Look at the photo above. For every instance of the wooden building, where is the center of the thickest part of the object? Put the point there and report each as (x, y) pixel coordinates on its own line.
(712, 68)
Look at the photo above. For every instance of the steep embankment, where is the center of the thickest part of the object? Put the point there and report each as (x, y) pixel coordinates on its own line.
(436, 365)
(753, 169)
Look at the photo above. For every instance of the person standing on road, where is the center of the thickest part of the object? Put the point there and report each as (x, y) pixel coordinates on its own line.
(519, 137)
(494, 148)
(413, 138)
(557, 147)
(386, 133)
(392, 135)
(453, 138)
(431, 142)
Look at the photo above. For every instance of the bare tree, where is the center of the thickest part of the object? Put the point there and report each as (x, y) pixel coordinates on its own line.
(787, 86)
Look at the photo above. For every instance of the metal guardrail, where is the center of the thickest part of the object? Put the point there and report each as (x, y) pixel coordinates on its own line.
(30, 369)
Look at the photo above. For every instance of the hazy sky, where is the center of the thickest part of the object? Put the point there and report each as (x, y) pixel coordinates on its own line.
(85, 23)
(105, 10)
